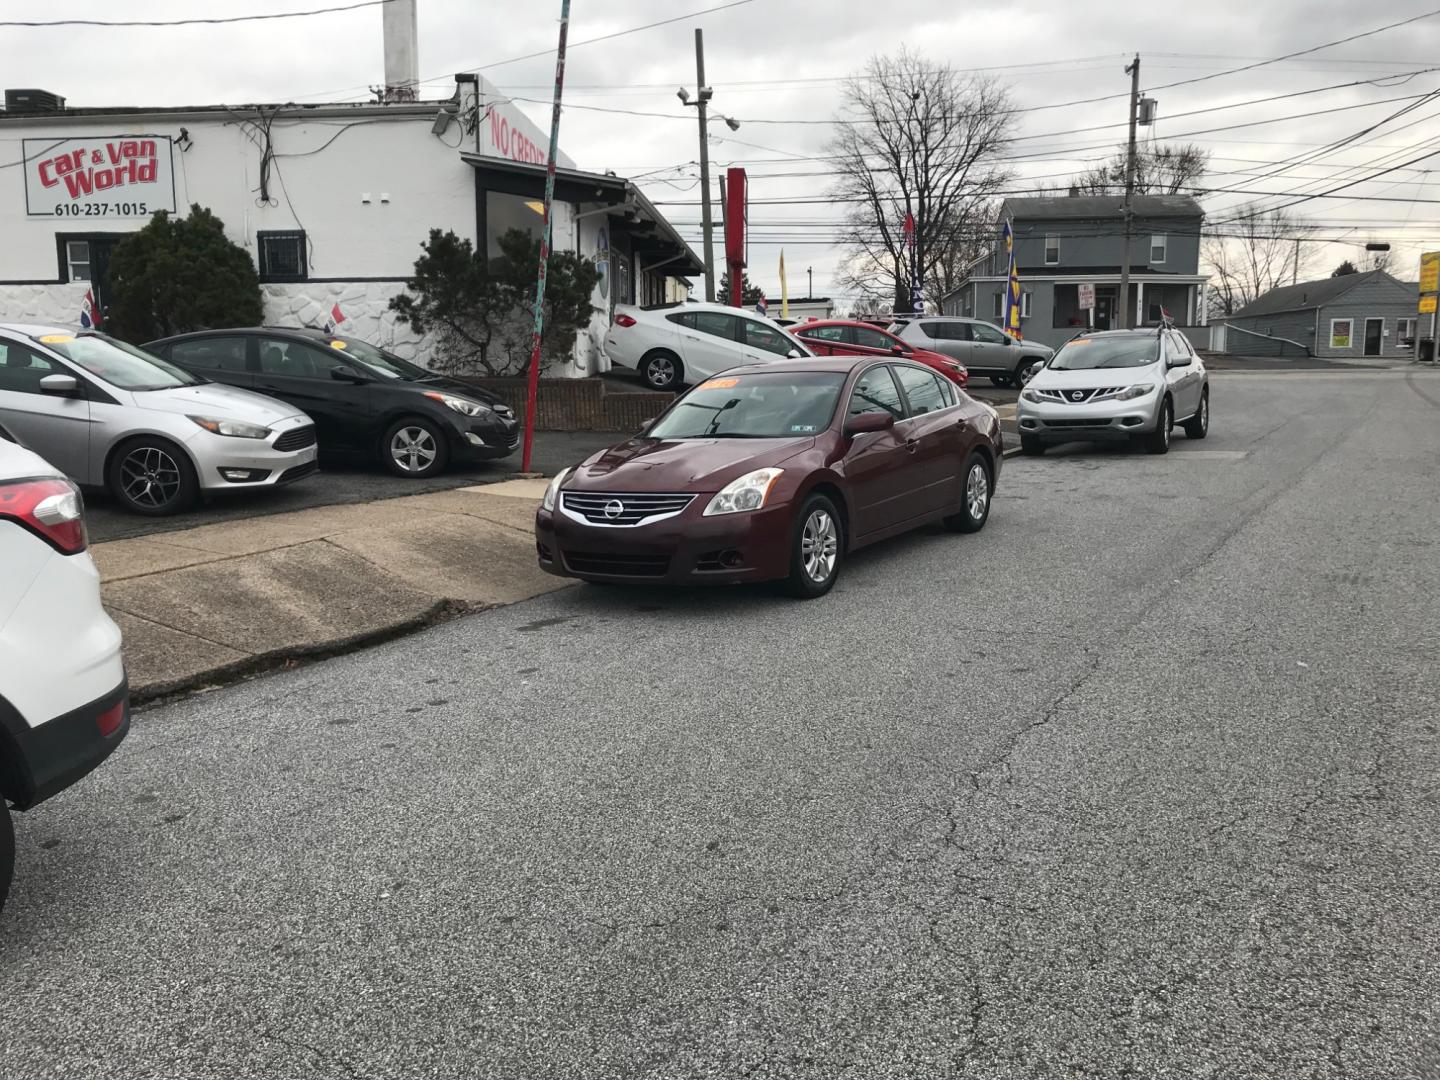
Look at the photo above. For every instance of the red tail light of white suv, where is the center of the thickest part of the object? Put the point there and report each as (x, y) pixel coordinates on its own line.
(49, 508)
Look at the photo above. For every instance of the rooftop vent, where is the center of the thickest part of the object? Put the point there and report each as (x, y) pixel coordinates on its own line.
(33, 101)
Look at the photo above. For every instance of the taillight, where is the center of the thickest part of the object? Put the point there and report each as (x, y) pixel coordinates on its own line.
(108, 722)
(51, 509)
(624, 320)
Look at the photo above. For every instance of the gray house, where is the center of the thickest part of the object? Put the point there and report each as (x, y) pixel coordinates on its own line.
(1371, 314)
(1064, 242)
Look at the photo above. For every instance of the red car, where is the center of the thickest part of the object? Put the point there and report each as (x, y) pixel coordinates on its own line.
(775, 472)
(850, 337)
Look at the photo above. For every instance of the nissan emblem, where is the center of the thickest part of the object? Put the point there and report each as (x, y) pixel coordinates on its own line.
(614, 508)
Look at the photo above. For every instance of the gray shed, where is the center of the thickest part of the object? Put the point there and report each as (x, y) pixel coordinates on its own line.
(1370, 314)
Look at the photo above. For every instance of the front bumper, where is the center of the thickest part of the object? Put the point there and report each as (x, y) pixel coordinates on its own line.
(225, 463)
(480, 438)
(41, 761)
(689, 549)
(1060, 422)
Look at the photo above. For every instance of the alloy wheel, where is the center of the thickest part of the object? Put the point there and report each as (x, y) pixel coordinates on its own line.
(977, 492)
(660, 371)
(413, 449)
(1029, 372)
(150, 477)
(819, 546)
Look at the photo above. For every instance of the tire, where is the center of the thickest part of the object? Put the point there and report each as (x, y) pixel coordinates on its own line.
(414, 448)
(152, 476)
(1158, 441)
(1025, 370)
(1000, 380)
(7, 852)
(1031, 446)
(661, 370)
(979, 487)
(817, 545)
(1199, 425)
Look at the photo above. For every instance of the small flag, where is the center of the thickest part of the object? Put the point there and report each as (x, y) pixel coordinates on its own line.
(336, 318)
(762, 306)
(784, 289)
(90, 317)
(1012, 284)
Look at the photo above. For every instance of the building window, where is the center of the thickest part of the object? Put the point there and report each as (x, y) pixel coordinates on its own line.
(1052, 249)
(77, 259)
(1000, 306)
(1158, 245)
(1024, 305)
(282, 256)
(1341, 331)
(1404, 331)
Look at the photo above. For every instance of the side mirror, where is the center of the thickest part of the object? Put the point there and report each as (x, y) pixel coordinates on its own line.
(60, 385)
(1178, 361)
(341, 373)
(897, 350)
(869, 421)
(794, 354)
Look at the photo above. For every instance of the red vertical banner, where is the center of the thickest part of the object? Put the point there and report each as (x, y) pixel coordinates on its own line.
(736, 201)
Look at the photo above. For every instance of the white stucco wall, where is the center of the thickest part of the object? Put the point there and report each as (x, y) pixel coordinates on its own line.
(365, 306)
(47, 305)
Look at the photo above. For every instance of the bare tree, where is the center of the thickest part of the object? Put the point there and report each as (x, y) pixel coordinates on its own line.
(1252, 253)
(1160, 169)
(921, 140)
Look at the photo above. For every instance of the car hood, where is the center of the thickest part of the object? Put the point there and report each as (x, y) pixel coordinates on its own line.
(679, 465)
(930, 356)
(212, 399)
(1089, 378)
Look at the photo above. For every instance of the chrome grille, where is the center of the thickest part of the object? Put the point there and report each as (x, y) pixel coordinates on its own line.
(619, 508)
(1068, 396)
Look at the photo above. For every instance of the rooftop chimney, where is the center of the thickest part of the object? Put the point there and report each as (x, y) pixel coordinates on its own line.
(402, 51)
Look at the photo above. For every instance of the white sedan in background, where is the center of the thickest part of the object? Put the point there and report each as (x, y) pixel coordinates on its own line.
(675, 345)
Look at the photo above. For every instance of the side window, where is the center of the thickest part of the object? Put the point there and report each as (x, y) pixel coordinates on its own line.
(21, 368)
(1175, 352)
(765, 337)
(875, 392)
(824, 333)
(988, 334)
(947, 391)
(872, 339)
(683, 318)
(716, 323)
(922, 390)
(951, 331)
(210, 354)
(294, 360)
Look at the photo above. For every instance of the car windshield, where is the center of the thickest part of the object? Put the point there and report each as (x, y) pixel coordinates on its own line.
(782, 405)
(119, 364)
(385, 364)
(1086, 354)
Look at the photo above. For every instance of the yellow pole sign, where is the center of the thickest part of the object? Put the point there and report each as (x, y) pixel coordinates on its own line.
(1427, 305)
(1430, 273)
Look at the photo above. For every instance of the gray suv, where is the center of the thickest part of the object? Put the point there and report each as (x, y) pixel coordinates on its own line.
(982, 347)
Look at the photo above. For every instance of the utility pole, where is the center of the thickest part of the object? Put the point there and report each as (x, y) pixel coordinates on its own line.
(1126, 312)
(810, 289)
(702, 97)
(1295, 277)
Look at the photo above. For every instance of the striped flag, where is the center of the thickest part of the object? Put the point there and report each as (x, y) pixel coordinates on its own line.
(1012, 284)
(336, 318)
(917, 289)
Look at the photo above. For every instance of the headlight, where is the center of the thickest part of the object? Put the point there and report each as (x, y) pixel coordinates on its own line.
(1031, 395)
(746, 493)
(464, 406)
(553, 491)
(1132, 392)
(234, 428)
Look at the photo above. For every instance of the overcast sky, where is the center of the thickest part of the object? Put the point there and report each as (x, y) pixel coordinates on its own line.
(772, 61)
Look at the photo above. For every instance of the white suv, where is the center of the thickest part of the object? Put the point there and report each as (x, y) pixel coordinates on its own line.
(64, 703)
(678, 344)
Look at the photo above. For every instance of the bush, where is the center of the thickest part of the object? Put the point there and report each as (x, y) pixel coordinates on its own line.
(484, 314)
(180, 274)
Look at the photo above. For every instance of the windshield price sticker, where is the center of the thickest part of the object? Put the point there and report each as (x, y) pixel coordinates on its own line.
(719, 384)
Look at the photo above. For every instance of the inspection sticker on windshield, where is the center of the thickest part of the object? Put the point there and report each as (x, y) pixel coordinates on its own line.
(719, 384)
(337, 344)
(803, 429)
(56, 339)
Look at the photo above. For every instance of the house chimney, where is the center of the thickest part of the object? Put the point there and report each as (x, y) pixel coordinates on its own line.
(1074, 192)
(402, 51)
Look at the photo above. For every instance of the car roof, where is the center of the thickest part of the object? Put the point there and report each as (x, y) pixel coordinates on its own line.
(842, 322)
(35, 330)
(1139, 331)
(840, 364)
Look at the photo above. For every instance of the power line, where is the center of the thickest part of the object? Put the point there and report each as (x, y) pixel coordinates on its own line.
(195, 22)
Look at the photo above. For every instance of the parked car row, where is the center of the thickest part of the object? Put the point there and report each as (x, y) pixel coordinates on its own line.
(232, 410)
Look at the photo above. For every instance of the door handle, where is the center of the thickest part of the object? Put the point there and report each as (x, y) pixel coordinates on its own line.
(912, 445)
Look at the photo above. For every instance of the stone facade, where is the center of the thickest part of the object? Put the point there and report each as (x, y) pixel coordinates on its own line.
(47, 305)
(365, 305)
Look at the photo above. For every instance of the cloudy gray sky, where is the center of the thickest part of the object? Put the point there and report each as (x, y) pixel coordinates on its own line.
(776, 62)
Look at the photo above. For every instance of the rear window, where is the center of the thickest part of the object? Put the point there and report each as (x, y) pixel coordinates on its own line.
(781, 405)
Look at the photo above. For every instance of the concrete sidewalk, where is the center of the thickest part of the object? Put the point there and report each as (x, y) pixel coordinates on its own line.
(215, 602)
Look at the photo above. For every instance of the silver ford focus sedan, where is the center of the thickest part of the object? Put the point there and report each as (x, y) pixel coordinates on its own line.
(157, 436)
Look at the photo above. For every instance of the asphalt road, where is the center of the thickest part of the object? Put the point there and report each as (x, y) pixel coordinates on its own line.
(1142, 781)
(340, 482)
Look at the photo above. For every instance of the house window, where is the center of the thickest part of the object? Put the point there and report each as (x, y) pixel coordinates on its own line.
(1404, 331)
(1024, 305)
(1158, 245)
(1052, 249)
(1000, 306)
(77, 259)
(1341, 331)
(282, 256)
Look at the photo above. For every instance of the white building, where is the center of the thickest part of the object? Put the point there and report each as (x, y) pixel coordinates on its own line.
(332, 201)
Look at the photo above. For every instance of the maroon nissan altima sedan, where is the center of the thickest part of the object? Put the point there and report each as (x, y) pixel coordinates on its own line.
(775, 473)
